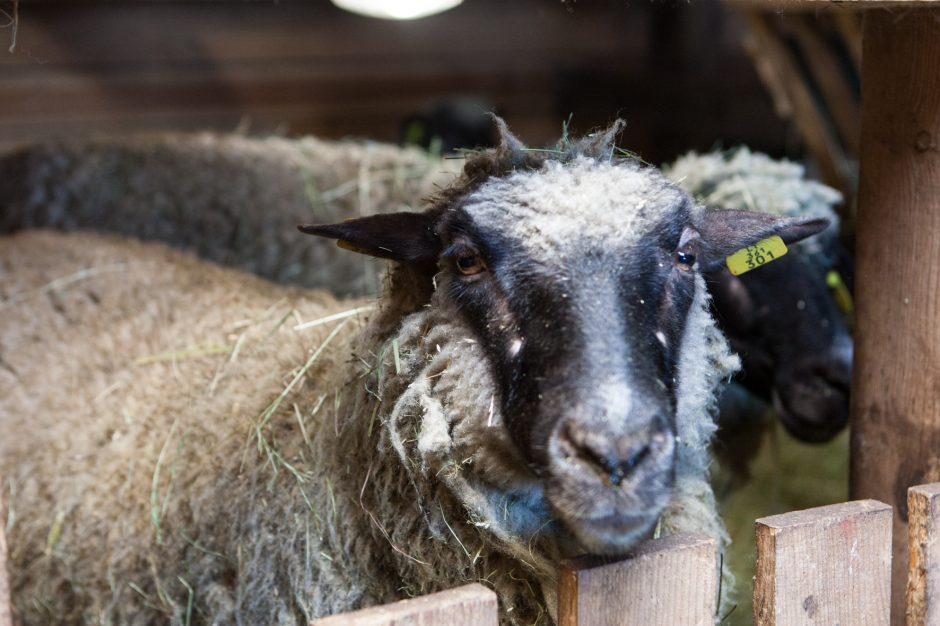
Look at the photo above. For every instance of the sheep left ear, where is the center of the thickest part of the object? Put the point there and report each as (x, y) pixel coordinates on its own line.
(403, 237)
(725, 231)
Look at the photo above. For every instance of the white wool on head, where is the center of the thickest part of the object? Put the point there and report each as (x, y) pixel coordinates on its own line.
(564, 207)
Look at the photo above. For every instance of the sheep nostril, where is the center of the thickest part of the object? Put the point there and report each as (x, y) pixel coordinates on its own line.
(602, 454)
(621, 470)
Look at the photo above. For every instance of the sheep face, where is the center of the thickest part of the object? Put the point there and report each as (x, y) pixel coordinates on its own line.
(793, 342)
(577, 280)
(577, 276)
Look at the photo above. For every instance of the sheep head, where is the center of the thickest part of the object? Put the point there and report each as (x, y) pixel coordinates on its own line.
(577, 271)
(792, 339)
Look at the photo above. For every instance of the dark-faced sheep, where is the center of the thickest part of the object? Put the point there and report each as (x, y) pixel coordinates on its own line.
(783, 321)
(536, 382)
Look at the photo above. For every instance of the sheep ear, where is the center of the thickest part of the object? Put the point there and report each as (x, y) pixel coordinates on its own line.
(403, 237)
(725, 231)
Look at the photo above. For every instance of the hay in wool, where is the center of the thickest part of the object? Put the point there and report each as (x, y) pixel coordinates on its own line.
(198, 460)
(227, 198)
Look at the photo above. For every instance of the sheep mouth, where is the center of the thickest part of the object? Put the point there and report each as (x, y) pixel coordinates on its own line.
(608, 521)
(814, 412)
(612, 535)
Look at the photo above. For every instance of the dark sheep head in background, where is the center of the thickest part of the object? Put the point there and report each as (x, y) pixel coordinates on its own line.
(795, 347)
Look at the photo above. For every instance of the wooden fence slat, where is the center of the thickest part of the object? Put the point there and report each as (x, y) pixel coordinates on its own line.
(671, 581)
(6, 607)
(828, 565)
(470, 605)
(923, 578)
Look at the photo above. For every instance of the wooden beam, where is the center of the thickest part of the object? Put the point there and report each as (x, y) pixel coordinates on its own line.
(672, 581)
(830, 77)
(470, 605)
(782, 75)
(895, 401)
(830, 5)
(923, 579)
(828, 565)
(6, 606)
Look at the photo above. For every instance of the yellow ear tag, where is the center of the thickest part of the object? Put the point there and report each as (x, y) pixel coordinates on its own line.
(752, 257)
(840, 292)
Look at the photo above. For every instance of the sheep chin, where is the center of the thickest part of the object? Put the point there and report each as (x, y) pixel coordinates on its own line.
(613, 535)
(607, 520)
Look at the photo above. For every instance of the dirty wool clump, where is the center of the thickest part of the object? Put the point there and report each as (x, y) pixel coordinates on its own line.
(228, 198)
(189, 451)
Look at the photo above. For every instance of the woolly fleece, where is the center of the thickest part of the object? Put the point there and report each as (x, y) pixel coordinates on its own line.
(227, 198)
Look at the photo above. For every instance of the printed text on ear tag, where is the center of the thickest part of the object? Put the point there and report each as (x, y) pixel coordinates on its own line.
(752, 257)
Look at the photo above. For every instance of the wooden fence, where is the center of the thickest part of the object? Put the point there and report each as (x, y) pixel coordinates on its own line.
(828, 565)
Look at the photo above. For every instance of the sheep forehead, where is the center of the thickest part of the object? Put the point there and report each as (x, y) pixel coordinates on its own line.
(564, 207)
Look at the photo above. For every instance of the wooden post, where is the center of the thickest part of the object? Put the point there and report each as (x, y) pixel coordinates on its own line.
(896, 386)
(828, 565)
(672, 581)
(6, 606)
(470, 605)
(923, 579)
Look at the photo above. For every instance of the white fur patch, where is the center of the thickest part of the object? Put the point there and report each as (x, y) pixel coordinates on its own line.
(559, 211)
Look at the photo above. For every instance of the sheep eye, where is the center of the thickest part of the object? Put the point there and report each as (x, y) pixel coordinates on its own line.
(470, 264)
(685, 260)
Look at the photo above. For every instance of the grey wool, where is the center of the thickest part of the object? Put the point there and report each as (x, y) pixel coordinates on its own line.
(188, 451)
(228, 198)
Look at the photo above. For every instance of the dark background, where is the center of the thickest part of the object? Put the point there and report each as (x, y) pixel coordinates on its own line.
(676, 71)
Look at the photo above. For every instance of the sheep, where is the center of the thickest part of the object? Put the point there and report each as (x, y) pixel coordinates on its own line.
(234, 200)
(537, 381)
(784, 322)
(229, 198)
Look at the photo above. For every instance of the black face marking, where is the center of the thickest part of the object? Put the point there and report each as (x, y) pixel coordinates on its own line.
(548, 330)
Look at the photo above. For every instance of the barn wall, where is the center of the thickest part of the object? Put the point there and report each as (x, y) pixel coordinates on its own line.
(675, 71)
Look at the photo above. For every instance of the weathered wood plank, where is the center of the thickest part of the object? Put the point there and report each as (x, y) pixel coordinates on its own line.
(6, 607)
(923, 578)
(470, 605)
(828, 565)
(672, 581)
(895, 404)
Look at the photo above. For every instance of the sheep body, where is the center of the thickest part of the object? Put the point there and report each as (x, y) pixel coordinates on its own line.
(228, 198)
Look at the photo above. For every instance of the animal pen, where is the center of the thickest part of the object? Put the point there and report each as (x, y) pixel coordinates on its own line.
(869, 562)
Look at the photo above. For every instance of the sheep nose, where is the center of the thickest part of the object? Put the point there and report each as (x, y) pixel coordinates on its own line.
(615, 459)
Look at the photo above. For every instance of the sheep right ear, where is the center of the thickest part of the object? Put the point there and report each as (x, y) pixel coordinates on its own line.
(403, 237)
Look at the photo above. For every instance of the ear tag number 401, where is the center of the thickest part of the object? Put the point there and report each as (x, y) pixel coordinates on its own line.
(752, 257)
